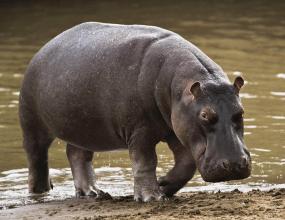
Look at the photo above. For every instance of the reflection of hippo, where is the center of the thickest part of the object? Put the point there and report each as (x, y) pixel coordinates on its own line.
(103, 87)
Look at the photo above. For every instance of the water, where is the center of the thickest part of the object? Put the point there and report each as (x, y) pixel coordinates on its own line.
(243, 37)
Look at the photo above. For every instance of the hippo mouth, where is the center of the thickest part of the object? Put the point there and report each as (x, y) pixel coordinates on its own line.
(200, 155)
(220, 175)
(215, 172)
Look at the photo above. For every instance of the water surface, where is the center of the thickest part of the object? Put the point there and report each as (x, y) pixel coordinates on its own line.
(244, 37)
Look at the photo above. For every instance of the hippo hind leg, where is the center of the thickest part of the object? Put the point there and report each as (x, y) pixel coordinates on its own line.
(83, 173)
(36, 141)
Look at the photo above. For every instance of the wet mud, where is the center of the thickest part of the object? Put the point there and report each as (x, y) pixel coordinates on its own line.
(226, 205)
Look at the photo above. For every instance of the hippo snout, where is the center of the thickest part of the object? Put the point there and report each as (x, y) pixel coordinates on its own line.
(237, 165)
(227, 169)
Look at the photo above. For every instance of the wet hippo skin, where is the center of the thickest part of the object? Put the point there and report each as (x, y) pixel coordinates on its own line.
(102, 87)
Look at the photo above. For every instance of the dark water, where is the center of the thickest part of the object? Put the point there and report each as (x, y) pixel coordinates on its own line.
(245, 37)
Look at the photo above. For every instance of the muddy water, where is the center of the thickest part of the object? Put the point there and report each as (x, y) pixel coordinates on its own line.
(245, 38)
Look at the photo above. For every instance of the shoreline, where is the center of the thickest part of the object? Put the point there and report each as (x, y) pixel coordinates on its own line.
(255, 204)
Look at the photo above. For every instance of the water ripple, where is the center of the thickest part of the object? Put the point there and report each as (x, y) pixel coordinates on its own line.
(4, 89)
(281, 75)
(247, 96)
(277, 117)
(261, 149)
(278, 93)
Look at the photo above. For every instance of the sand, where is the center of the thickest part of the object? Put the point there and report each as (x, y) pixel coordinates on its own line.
(202, 205)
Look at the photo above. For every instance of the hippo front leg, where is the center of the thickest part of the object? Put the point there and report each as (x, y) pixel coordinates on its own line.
(182, 171)
(144, 162)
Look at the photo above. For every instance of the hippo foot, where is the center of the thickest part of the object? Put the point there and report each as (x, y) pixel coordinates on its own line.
(148, 195)
(40, 187)
(92, 192)
(167, 187)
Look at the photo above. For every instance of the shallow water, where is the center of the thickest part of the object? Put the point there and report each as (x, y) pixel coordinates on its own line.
(245, 38)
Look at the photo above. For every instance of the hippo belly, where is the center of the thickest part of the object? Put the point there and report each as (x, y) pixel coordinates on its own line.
(86, 81)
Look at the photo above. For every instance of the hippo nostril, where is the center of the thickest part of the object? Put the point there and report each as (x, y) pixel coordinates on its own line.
(244, 162)
(225, 164)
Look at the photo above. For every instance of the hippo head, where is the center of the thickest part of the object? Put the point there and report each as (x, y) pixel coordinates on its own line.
(208, 118)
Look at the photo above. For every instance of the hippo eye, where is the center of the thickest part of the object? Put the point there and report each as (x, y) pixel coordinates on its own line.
(204, 116)
(208, 115)
(238, 119)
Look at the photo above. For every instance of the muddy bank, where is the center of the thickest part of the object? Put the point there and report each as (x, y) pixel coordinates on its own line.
(233, 205)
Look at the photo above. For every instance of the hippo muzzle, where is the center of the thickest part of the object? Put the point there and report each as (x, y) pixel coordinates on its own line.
(225, 168)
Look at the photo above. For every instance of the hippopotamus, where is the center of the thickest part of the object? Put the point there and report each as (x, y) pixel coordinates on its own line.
(103, 87)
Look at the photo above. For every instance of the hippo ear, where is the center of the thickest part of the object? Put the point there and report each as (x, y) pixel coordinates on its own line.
(196, 89)
(239, 82)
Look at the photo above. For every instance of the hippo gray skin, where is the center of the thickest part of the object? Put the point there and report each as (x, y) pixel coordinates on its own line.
(102, 87)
